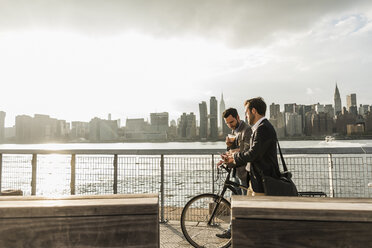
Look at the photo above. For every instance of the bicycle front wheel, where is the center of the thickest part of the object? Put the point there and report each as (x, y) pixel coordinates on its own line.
(195, 217)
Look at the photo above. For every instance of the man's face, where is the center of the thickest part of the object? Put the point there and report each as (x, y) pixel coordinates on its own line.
(232, 122)
(250, 116)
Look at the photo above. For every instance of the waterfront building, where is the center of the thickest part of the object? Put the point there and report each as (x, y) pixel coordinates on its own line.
(290, 108)
(2, 126)
(279, 125)
(187, 126)
(319, 108)
(23, 125)
(328, 108)
(203, 129)
(355, 129)
(79, 130)
(368, 122)
(159, 121)
(40, 128)
(343, 120)
(103, 130)
(351, 101)
(318, 124)
(213, 118)
(172, 131)
(293, 124)
(274, 110)
(337, 101)
(363, 109)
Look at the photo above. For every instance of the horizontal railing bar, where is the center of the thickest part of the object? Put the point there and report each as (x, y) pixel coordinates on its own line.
(320, 150)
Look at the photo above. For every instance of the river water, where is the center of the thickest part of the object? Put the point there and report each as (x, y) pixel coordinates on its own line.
(184, 145)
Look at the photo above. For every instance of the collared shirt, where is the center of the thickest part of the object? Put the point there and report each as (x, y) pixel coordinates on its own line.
(236, 130)
(255, 126)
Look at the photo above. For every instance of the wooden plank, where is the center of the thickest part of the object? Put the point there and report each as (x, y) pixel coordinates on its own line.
(298, 234)
(77, 197)
(93, 231)
(78, 207)
(302, 208)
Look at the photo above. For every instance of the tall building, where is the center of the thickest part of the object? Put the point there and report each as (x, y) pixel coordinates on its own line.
(187, 126)
(203, 129)
(224, 128)
(337, 99)
(274, 110)
(79, 130)
(318, 124)
(41, 128)
(293, 124)
(351, 101)
(2, 126)
(363, 109)
(103, 130)
(23, 124)
(290, 108)
(159, 121)
(328, 108)
(213, 118)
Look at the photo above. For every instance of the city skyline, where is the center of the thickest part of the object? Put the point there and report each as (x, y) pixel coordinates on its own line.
(77, 60)
(295, 121)
(205, 107)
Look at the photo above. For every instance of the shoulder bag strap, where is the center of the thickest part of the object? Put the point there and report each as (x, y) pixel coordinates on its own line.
(282, 158)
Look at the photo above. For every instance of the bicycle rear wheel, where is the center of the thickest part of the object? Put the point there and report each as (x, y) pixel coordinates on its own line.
(194, 221)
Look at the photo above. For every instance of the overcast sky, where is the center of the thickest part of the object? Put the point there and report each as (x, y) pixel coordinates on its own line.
(77, 59)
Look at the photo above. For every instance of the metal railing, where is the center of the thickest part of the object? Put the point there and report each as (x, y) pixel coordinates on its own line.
(177, 174)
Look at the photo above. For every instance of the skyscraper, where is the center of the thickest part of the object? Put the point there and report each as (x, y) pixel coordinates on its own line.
(203, 129)
(290, 108)
(351, 101)
(213, 118)
(274, 110)
(224, 128)
(337, 99)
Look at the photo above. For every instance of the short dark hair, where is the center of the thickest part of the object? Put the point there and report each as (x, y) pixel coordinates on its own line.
(258, 103)
(230, 111)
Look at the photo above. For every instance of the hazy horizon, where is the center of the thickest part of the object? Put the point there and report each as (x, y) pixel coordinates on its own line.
(75, 60)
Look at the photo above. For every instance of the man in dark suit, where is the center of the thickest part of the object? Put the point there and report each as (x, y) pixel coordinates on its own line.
(262, 154)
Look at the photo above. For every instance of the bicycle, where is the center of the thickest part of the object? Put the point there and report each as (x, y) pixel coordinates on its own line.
(205, 215)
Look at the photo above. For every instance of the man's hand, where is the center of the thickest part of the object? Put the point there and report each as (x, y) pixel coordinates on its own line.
(228, 158)
(229, 141)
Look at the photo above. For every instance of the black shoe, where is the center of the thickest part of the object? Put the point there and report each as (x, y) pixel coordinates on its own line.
(225, 235)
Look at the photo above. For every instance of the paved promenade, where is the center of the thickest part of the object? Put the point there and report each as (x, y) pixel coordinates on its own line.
(171, 235)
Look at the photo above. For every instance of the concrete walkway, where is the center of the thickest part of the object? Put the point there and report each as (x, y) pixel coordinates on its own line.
(171, 235)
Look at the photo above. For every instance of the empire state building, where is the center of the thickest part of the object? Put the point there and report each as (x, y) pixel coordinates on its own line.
(337, 98)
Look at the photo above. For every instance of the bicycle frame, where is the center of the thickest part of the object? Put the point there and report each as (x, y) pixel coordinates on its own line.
(228, 184)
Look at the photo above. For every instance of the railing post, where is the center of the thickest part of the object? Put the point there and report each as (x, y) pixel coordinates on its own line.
(73, 174)
(115, 174)
(212, 173)
(1, 170)
(330, 175)
(162, 220)
(33, 179)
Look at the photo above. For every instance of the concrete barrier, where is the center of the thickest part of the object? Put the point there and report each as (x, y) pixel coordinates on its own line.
(80, 221)
(301, 222)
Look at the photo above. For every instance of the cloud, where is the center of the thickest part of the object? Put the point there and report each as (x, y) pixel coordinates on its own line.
(237, 23)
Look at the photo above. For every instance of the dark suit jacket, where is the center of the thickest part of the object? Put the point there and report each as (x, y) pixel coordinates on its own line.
(262, 155)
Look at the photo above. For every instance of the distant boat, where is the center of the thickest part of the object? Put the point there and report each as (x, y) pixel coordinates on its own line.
(329, 138)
